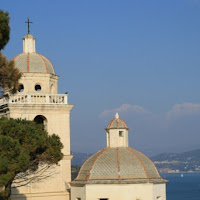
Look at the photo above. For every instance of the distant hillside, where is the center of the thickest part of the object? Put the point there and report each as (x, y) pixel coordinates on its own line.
(77, 161)
(165, 162)
(79, 158)
(178, 162)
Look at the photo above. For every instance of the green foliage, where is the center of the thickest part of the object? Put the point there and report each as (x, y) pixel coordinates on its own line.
(23, 145)
(4, 28)
(9, 75)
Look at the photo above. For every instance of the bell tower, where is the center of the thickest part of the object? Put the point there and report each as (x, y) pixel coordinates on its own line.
(37, 99)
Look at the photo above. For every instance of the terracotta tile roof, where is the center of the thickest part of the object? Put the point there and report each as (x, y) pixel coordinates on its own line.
(117, 123)
(121, 165)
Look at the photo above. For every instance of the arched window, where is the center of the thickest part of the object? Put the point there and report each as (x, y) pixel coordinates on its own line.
(159, 198)
(40, 119)
(38, 88)
(21, 88)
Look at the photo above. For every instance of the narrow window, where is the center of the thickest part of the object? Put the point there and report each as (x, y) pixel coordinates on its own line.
(104, 199)
(78, 198)
(121, 134)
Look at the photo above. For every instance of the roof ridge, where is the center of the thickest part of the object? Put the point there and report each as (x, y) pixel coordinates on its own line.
(43, 61)
(130, 149)
(118, 165)
(17, 56)
(105, 149)
(50, 62)
(150, 161)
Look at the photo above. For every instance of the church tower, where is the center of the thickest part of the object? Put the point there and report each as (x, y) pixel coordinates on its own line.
(38, 99)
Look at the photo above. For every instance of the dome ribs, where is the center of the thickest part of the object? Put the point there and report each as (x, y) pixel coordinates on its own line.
(130, 149)
(118, 165)
(84, 172)
(123, 122)
(104, 150)
(49, 62)
(117, 123)
(33, 62)
(151, 162)
(45, 64)
(109, 125)
(17, 56)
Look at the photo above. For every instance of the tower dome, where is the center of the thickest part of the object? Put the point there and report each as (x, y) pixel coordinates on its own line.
(30, 61)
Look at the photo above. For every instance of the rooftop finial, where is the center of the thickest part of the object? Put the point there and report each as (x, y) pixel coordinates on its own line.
(116, 116)
(28, 22)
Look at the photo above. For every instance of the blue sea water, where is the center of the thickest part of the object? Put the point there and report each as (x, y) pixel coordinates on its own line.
(183, 188)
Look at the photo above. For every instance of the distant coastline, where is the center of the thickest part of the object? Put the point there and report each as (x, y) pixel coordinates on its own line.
(177, 163)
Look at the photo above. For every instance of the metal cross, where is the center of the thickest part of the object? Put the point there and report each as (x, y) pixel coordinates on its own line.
(28, 22)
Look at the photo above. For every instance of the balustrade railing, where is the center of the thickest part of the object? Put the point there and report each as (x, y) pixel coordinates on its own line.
(35, 99)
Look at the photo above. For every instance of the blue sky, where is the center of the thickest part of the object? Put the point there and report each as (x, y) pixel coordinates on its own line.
(136, 57)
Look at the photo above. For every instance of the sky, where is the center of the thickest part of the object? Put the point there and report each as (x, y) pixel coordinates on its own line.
(139, 58)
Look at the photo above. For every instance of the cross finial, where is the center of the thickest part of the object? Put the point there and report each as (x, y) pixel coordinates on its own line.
(28, 22)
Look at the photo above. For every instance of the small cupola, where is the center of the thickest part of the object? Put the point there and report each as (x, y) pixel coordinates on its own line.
(117, 132)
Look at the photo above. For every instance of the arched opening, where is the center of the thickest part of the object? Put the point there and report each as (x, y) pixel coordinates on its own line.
(40, 119)
(38, 88)
(21, 88)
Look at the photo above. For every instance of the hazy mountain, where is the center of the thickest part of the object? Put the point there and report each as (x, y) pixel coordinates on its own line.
(178, 162)
(166, 162)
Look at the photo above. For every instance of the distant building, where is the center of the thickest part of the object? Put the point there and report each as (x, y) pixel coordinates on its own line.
(38, 100)
(118, 172)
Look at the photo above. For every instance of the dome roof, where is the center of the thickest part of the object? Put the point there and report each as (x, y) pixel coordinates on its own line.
(117, 123)
(121, 165)
(30, 61)
(33, 62)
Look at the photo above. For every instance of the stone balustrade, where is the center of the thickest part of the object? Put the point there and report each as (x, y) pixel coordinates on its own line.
(35, 99)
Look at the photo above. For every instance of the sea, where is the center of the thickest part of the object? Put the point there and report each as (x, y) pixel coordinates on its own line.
(184, 186)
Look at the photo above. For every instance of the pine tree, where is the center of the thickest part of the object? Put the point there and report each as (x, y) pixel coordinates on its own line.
(9, 75)
(4, 29)
(24, 146)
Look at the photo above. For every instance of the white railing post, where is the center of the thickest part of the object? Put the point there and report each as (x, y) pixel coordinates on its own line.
(65, 99)
(29, 98)
(47, 98)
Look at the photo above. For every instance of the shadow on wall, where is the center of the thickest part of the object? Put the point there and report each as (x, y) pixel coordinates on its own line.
(15, 195)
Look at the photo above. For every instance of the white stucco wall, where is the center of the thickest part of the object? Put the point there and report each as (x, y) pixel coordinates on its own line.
(48, 82)
(147, 191)
(114, 140)
(58, 122)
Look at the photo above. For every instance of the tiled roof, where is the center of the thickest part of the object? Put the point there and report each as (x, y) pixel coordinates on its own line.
(33, 62)
(122, 165)
(117, 123)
